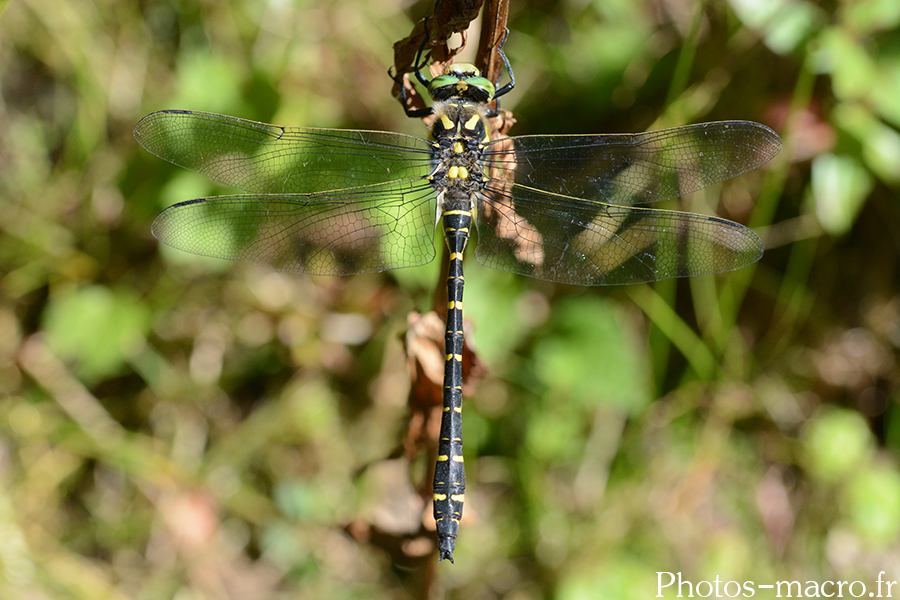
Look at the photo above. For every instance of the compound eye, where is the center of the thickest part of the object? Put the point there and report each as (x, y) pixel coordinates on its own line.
(484, 84)
(442, 81)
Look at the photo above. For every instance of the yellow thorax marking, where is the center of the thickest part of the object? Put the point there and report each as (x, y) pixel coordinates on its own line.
(457, 172)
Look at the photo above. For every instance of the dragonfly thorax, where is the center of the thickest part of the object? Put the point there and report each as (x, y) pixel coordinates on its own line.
(460, 118)
(460, 134)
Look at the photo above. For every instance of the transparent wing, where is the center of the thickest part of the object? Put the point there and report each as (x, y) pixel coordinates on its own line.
(359, 230)
(628, 169)
(560, 208)
(568, 240)
(270, 159)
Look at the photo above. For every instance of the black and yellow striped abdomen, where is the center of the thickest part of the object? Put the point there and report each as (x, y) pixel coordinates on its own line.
(449, 472)
(457, 177)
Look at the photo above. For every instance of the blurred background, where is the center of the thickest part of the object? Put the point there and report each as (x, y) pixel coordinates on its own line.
(178, 427)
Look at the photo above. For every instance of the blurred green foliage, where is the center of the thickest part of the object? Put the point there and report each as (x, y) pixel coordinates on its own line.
(176, 427)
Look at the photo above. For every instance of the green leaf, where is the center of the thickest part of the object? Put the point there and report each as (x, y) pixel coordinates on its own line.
(209, 81)
(850, 65)
(795, 23)
(880, 143)
(836, 443)
(840, 185)
(874, 502)
(591, 356)
(97, 327)
(872, 15)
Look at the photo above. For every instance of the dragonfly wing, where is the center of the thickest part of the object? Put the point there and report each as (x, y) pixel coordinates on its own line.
(360, 230)
(270, 159)
(582, 242)
(628, 169)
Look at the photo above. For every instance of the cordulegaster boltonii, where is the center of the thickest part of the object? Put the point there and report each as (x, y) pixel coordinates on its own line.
(562, 208)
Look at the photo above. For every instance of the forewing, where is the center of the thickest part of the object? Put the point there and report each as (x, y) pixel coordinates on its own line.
(270, 159)
(359, 230)
(628, 169)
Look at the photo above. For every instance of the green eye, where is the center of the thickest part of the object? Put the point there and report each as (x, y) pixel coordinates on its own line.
(478, 83)
(442, 81)
(482, 83)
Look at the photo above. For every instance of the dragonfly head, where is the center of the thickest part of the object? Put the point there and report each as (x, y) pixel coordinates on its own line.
(461, 80)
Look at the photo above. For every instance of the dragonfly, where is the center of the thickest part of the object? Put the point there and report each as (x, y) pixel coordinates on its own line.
(562, 208)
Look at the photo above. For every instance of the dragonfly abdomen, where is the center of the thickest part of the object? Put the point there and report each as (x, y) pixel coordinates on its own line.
(449, 472)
